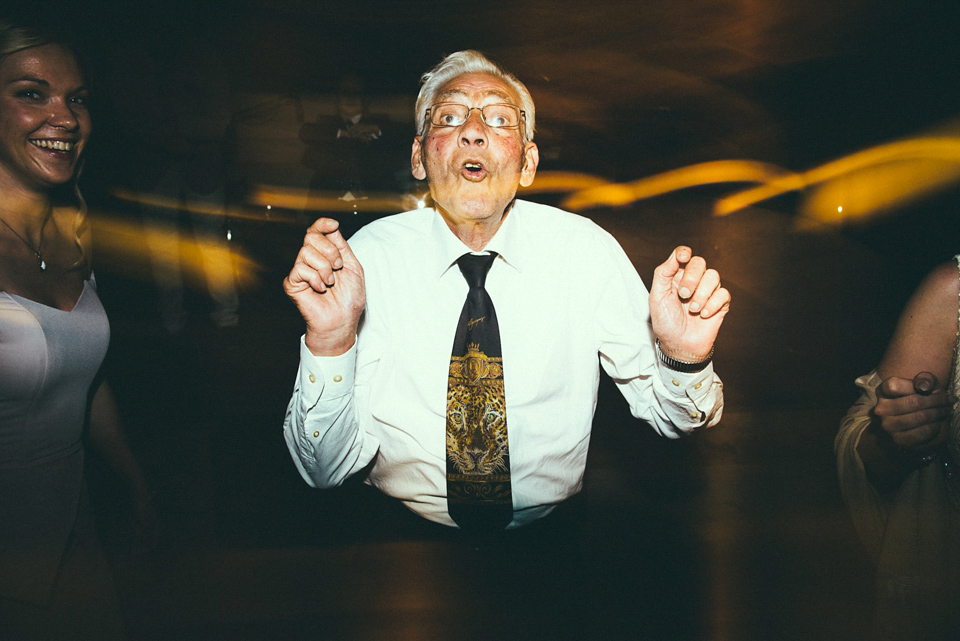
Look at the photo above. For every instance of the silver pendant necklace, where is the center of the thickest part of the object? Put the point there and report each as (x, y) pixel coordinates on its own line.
(37, 252)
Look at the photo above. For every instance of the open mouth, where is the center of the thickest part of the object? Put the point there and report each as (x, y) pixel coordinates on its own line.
(473, 170)
(54, 145)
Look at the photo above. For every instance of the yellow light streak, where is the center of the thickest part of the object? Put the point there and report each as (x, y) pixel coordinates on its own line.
(714, 172)
(302, 199)
(851, 188)
(560, 181)
(865, 182)
(121, 246)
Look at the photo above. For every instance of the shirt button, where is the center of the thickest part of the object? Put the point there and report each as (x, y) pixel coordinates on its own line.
(676, 383)
(337, 378)
(312, 378)
(695, 414)
(316, 434)
(698, 385)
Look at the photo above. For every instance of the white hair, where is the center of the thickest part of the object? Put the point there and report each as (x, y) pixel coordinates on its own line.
(459, 64)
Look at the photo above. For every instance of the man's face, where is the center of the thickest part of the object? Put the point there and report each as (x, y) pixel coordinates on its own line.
(44, 123)
(474, 170)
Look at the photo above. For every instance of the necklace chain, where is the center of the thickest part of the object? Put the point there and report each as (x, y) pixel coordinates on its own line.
(37, 252)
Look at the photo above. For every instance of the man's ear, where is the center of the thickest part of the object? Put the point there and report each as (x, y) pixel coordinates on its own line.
(416, 160)
(531, 158)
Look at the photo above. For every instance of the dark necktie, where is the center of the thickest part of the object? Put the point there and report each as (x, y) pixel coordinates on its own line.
(478, 462)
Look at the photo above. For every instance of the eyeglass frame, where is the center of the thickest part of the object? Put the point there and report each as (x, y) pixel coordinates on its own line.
(521, 120)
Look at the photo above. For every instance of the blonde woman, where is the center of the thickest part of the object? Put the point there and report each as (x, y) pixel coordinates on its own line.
(53, 337)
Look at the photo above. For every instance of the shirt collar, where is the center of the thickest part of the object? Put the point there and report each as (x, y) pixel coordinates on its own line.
(507, 242)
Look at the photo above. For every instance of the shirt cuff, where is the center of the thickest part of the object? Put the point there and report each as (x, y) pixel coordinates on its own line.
(692, 385)
(327, 376)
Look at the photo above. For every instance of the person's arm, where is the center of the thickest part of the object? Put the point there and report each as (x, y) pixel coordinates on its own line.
(107, 435)
(687, 307)
(912, 413)
(673, 402)
(321, 428)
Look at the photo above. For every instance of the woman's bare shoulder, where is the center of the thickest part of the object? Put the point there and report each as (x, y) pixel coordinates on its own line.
(939, 292)
(927, 331)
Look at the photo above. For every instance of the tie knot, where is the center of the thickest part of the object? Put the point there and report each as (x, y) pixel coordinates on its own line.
(475, 267)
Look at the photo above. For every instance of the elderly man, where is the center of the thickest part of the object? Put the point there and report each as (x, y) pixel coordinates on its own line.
(457, 347)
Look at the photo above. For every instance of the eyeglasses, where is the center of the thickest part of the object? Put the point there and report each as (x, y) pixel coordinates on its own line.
(454, 114)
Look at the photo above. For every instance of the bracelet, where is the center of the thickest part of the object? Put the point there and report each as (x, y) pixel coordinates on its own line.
(682, 366)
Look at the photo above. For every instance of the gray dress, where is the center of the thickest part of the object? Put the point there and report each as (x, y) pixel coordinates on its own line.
(48, 361)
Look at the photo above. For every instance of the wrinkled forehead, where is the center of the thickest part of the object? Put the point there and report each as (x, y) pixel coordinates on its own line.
(477, 88)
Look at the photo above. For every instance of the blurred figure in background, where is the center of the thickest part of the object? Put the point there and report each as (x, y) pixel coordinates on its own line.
(351, 153)
(898, 456)
(192, 189)
(339, 147)
(54, 333)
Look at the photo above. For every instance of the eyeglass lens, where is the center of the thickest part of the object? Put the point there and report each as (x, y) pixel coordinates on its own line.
(452, 114)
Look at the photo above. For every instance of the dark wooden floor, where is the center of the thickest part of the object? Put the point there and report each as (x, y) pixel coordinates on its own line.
(737, 533)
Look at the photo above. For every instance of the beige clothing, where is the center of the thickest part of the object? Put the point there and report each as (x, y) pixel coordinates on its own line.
(913, 535)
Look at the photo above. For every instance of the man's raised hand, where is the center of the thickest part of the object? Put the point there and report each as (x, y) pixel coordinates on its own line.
(687, 306)
(326, 283)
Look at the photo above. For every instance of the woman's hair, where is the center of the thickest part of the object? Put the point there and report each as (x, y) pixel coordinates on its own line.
(461, 63)
(15, 38)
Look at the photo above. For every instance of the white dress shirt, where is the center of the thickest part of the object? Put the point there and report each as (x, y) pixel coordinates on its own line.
(565, 294)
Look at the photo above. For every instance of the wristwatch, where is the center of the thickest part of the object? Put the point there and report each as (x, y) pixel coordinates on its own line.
(683, 366)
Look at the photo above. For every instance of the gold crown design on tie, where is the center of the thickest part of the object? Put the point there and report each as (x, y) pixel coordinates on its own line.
(479, 496)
